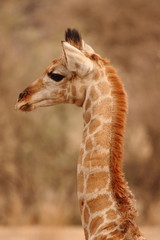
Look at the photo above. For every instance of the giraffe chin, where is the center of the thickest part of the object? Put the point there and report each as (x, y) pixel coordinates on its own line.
(26, 107)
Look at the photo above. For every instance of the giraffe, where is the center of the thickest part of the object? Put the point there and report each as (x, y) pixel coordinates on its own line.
(82, 77)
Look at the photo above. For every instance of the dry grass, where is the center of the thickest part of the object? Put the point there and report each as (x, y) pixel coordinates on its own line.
(59, 233)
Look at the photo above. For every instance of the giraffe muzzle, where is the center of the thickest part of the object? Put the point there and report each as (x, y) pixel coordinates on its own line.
(22, 95)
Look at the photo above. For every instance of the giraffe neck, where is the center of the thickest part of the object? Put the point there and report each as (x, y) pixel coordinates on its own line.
(105, 200)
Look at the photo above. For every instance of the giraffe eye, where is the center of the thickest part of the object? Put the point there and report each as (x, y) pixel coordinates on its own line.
(55, 76)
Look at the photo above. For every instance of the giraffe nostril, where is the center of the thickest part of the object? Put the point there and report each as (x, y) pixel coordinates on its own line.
(22, 95)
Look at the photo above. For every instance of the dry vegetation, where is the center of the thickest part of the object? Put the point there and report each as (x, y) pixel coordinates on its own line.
(38, 151)
(58, 233)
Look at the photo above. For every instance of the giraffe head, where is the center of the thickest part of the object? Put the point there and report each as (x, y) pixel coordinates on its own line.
(64, 80)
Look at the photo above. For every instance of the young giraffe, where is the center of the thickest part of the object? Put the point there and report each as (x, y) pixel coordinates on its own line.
(84, 78)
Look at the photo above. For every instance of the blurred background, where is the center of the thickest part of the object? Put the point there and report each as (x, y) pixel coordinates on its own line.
(39, 150)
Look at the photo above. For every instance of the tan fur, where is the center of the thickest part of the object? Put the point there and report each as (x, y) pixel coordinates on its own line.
(94, 224)
(80, 156)
(33, 89)
(80, 180)
(96, 181)
(81, 203)
(111, 214)
(92, 160)
(93, 94)
(94, 125)
(74, 91)
(87, 117)
(96, 75)
(99, 203)
(86, 233)
(104, 108)
(89, 144)
(86, 215)
(104, 88)
(108, 226)
(88, 104)
(103, 140)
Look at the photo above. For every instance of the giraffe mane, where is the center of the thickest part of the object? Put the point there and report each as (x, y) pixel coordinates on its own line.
(124, 198)
(73, 37)
(121, 192)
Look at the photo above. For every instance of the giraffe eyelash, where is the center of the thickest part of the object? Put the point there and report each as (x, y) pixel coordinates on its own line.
(55, 76)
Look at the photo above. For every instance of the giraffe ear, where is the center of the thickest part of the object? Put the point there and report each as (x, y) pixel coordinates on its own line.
(76, 61)
(87, 47)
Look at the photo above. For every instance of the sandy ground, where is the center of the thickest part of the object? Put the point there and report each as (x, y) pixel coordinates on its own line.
(59, 233)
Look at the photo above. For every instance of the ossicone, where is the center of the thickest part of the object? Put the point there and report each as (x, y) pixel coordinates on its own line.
(73, 37)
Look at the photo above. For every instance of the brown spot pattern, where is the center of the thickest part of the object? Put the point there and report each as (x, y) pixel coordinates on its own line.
(79, 102)
(57, 60)
(84, 135)
(89, 144)
(80, 182)
(93, 94)
(87, 117)
(104, 140)
(109, 189)
(108, 226)
(86, 234)
(73, 91)
(80, 156)
(117, 234)
(111, 214)
(86, 215)
(94, 57)
(102, 237)
(104, 88)
(96, 75)
(99, 203)
(96, 181)
(95, 224)
(96, 159)
(88, 104)
(104, 108)
(34, 87)
(82, 89)
(81, 203)
(77, 65)
(95, 123)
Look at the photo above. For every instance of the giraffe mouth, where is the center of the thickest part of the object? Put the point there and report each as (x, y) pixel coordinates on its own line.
(26, 107)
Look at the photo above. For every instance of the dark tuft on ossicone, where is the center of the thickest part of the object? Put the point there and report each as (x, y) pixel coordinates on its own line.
(73, 37)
